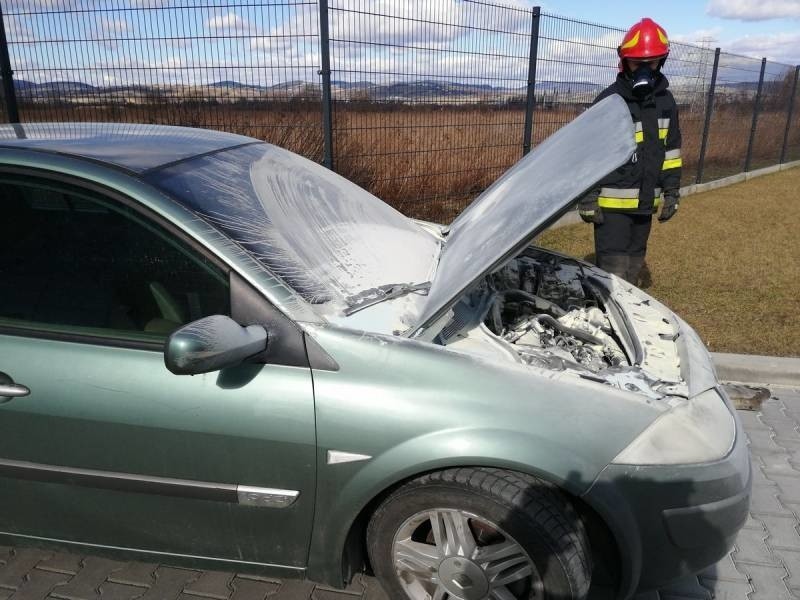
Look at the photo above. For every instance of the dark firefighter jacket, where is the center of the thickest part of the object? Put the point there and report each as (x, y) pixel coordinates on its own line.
(655, 166)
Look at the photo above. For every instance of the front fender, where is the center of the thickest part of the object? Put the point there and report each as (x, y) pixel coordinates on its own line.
(338, 506)
(410, 407)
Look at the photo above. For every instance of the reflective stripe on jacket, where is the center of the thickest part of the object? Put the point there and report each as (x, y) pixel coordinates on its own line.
(623, 199)
(656, 164)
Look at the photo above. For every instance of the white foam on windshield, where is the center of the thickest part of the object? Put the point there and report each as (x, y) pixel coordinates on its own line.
(327, 238)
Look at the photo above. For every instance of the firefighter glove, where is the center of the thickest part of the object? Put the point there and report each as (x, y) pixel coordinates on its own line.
(670, 206)
(589, 210)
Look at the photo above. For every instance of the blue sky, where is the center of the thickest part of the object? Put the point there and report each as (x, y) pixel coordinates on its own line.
(114, 42)
(752, 27)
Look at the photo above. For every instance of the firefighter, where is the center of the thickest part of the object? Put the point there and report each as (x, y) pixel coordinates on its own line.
(624, 202)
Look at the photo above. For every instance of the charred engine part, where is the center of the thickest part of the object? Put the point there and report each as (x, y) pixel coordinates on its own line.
(545, 276)
(558, 280)
(543, 309)
(539, 304)
(544, 359)
(594, 322)
(536, 325)
(580, 334)
(572, 337)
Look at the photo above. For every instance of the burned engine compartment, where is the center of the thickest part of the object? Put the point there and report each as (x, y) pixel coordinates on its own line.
(558, 314)
(543, 308)
(540, 304)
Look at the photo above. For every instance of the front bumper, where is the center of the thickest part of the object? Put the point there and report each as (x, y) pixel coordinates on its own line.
(671, 521)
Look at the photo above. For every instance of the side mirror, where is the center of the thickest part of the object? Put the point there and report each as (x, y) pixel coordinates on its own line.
(211, 344)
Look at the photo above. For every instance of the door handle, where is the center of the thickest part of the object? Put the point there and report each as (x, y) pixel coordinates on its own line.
(10, 390)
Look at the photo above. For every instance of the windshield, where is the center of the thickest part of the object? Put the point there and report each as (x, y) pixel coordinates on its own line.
(324, 236)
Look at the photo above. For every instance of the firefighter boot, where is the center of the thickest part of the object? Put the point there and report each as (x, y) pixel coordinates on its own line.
(617, 264)
(634, 268)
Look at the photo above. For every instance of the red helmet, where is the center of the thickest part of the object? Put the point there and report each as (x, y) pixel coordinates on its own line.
(646, 39)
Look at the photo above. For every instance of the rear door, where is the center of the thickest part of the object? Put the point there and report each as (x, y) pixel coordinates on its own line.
(110, 448)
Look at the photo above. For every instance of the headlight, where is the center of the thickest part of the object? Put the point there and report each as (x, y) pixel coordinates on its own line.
(700, 430)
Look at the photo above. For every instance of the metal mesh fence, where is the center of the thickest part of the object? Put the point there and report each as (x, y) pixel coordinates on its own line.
(731, 120)
(3, 105)
(771, 122)
(688, 69)
(793, 121)
(247, 67)
(576, 61)
(429, 99)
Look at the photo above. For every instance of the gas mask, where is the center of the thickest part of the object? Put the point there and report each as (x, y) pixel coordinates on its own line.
(644, 79)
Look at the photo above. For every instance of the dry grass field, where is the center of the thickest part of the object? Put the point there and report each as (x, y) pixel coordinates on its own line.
(431, 161)
(728, 263)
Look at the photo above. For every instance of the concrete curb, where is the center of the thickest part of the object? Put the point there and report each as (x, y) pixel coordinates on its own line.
(572, 217)
(738, 178)
(774, 370)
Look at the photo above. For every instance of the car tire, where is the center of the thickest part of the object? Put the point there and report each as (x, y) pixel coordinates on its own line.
(475, 533)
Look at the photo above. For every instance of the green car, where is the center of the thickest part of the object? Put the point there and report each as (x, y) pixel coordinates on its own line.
(218, 354)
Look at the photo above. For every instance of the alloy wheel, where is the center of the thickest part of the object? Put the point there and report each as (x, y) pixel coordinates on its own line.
(449, 554)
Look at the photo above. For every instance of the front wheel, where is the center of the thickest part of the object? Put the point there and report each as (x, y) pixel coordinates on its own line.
(478, 533)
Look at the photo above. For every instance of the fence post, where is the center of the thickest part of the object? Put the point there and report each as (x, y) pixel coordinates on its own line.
(531, 94)
(789, 115)
(707, 124)
(755, 117)
(325, 71)
(7, 74)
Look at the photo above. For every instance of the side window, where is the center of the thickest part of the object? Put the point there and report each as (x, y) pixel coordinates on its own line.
(75, 262)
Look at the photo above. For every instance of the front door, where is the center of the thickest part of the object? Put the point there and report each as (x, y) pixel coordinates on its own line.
(110, 448)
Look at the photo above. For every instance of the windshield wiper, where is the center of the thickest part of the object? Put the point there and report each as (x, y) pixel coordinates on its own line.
(378, 294)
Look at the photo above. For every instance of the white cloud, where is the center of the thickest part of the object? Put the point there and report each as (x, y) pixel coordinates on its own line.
(754, 10)
(17, 30)
(699, 37)
(171, 62)
(436, 21)
(113, 27)
(597, 63)
(403, 23)
(230, 23)
(448, 40)
(148, 3)
(25, 64)
(781, 47)
(35, 5)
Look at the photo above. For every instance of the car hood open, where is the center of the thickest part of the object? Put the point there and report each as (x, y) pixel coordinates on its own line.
(527, 199)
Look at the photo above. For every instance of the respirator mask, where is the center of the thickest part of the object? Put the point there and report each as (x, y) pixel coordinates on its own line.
(644, 80)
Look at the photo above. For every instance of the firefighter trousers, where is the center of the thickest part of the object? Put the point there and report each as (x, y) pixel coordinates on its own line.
(620, 243)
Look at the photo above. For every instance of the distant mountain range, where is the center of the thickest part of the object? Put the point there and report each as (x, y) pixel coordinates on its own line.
(398, 91)
(357, 90)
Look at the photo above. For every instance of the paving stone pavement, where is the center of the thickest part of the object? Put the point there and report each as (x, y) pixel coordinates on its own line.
(763, 565)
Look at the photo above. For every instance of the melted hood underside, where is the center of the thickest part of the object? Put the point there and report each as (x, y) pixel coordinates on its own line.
(526, 199)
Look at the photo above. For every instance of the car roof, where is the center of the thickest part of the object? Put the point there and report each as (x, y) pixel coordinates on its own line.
(134, 147)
